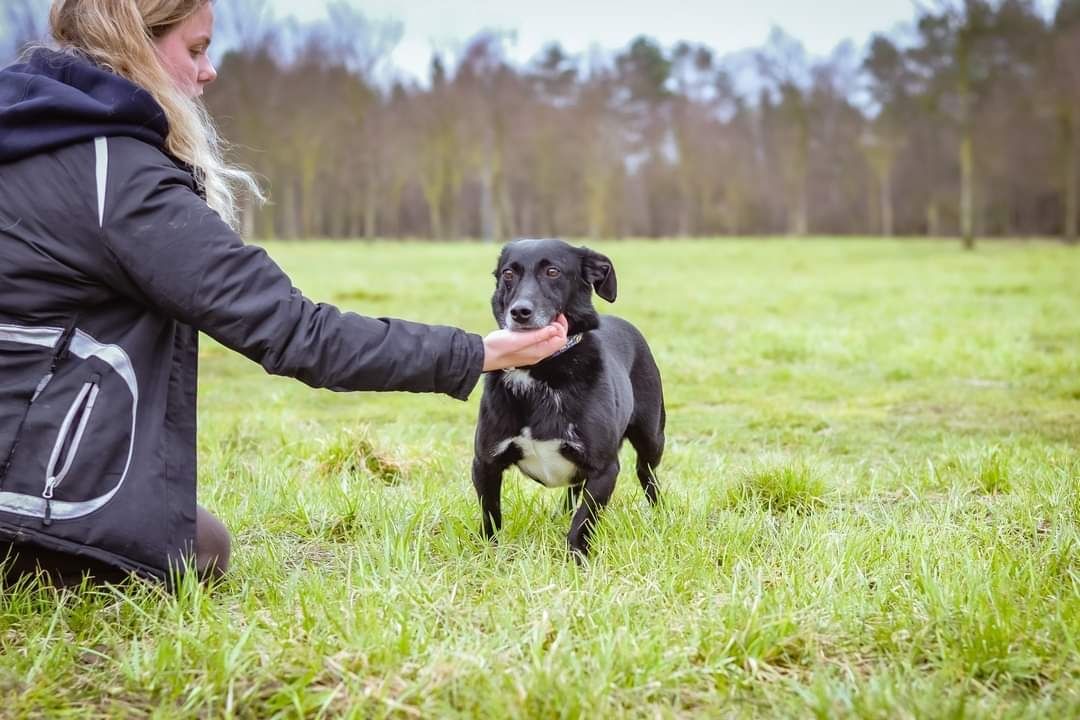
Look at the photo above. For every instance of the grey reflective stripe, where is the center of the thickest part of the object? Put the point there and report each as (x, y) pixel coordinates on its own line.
(43, 336)
(34, 505)
(83, 346)
(101, 152)
(22, 504)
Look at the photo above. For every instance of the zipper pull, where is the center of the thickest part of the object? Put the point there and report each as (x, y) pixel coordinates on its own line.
(50, 483)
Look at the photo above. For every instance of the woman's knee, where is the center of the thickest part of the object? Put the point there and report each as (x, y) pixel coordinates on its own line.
(213, 545)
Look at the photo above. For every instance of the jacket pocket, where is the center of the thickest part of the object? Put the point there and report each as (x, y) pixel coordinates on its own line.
(70, 435)
(76, 440)
(25, 357)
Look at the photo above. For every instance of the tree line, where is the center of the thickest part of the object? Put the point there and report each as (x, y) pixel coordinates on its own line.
(962, 122)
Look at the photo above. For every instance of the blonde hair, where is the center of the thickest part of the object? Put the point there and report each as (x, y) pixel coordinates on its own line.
(119, 35)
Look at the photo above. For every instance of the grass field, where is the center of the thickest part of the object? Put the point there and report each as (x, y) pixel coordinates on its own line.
(873, 498)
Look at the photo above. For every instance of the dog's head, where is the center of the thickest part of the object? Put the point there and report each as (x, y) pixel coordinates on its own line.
(536, 280)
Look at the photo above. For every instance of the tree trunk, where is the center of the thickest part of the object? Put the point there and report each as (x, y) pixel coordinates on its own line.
(435, 216)
(688, 198)
(308, 209)
(686, 222)
(434, 188)
(371, 208)
(392, 217)
(247, 216)
(967, 190)
(505, 209)
(454, 214)
(596, 193)
(886, 202)
(798, 225)
(1072, 181)
(933, 219)
(338, 218)
(525, 221)
(290, 211)
(456, 175)
(488, 221)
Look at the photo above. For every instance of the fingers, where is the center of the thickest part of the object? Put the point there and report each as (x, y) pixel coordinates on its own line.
(554, 333)
(542, 349)
(526, 340)
(541, 343)
(503, 349)
(558, 328)
(552, 340)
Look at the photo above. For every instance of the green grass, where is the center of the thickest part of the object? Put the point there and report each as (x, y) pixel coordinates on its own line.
(871, 510)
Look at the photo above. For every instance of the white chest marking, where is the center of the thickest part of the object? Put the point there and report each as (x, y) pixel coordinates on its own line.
(541, 459)
(519, 381)
(522, 384)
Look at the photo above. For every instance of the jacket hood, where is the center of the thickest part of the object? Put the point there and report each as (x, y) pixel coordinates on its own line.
(56, 99)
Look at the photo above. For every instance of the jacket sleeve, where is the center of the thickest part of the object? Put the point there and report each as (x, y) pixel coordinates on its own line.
(167, 249)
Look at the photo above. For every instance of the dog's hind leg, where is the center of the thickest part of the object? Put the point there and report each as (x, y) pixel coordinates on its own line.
(649, 448)
(597, 492)
(487, 479)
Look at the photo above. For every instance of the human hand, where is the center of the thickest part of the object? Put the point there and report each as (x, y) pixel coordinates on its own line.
(506, 349)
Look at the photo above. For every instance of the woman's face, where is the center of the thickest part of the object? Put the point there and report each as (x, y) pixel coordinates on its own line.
(182, 51)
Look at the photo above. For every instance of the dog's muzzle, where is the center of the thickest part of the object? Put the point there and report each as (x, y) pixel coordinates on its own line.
(523, 316)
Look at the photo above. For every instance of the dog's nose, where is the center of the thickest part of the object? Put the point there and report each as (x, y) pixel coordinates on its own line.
(521, 312)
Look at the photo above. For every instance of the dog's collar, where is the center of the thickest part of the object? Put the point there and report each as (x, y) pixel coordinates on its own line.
(570, 343)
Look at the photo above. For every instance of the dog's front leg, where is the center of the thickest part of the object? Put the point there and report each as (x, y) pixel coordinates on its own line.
(598, 489)
(487, 479)
(573, 494)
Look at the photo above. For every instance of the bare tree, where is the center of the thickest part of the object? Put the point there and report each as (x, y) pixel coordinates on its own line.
(1061, 66)
(890, 87)
(970, 127)
(785, 64)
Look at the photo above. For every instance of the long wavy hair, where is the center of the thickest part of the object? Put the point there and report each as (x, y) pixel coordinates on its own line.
(119, 35)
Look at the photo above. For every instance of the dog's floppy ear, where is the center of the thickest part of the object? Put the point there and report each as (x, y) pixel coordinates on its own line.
(600, 273)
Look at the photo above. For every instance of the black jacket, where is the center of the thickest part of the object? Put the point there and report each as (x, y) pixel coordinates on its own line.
(110, 265)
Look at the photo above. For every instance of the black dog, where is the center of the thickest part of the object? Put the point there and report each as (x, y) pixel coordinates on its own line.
(563, 420)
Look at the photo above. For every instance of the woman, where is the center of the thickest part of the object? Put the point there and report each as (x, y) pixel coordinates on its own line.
(116, 248)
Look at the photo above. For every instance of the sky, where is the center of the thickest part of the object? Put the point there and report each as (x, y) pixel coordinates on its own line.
(579, 25)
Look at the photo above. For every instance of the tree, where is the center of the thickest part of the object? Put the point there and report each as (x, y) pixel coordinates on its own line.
(890, 88)
(698, 95)
(783, 62)
(954, 54)
(1062, 68)
(967, 121)
(548, 171)
(644, 102)
(493, 99)
(600, 135)
(441, 149)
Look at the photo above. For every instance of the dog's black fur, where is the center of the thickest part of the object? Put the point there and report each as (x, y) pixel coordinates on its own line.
(565, 420)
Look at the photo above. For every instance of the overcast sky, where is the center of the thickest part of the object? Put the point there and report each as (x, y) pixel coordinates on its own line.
(580, 24)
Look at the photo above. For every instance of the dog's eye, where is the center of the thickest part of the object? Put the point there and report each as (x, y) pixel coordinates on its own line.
(553, 272)
(508, 275)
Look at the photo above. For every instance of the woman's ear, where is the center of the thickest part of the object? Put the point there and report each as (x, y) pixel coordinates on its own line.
(600, 273)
